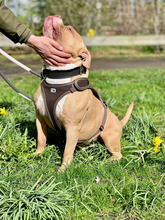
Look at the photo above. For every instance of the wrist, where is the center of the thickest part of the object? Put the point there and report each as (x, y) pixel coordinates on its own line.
(30, 40)
(27, 38)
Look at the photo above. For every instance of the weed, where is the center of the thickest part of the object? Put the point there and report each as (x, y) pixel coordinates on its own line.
(141, 128)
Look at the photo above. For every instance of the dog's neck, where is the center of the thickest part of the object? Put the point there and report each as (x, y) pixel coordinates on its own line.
(59, 81)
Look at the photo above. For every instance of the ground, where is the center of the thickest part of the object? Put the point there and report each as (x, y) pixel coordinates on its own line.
(93, 187)
(9, 68)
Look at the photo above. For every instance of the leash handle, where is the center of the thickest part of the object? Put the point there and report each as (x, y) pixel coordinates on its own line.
(18, 63)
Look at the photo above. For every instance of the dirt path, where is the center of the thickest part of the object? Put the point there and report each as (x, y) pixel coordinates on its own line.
(97, 64)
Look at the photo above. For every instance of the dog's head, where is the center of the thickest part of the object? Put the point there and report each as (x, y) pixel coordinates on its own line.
(67, 36)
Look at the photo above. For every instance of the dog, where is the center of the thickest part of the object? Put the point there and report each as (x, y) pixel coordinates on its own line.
(79, 113)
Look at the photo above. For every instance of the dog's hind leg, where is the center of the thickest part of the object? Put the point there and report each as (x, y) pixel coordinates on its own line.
(111, 136)
(113, 145)
(42, 131)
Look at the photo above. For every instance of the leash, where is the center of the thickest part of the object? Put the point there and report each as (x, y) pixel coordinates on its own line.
(14, 88)
(23, 67)
(18, 63)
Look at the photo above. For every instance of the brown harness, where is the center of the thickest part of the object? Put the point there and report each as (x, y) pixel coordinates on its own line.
(53, 93)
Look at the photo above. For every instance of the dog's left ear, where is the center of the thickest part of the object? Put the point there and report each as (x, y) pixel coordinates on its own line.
(86, 57)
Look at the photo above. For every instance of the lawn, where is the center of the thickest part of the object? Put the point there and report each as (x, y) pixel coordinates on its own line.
(93, 186)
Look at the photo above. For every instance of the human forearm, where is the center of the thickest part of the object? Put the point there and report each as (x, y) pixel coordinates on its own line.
(10, 26)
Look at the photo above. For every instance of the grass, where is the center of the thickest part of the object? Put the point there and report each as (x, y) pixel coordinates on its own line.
(93, 187)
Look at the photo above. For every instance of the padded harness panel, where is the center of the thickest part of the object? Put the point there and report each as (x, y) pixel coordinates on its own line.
(53, 93)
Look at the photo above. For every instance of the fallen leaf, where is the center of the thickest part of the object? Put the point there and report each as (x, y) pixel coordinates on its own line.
(97, 179)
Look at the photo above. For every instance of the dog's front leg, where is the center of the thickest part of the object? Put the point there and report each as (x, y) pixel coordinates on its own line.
(42, 131)
(72, 134)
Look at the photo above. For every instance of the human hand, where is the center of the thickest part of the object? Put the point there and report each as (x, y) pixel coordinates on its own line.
(49, 50)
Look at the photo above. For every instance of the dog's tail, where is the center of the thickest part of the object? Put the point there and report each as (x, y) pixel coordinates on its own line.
(127, 115)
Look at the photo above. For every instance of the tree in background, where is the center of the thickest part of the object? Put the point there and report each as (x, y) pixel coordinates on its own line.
(105, 17)
(80, 14)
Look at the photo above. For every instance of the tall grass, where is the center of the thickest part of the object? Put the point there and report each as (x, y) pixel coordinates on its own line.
(41, 201)
(93, 186)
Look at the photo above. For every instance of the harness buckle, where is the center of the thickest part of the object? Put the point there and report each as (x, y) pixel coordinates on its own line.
(101, 128)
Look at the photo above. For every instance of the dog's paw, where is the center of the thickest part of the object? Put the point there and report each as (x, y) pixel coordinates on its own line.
(61, 169)
(38, 151)
(116, 157)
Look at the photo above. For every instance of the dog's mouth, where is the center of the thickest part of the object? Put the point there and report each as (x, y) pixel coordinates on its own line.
(55, 33)
(51, 26)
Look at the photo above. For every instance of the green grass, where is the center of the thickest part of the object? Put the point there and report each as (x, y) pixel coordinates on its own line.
(132, 188)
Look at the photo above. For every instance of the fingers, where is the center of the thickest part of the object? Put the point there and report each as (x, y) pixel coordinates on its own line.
(57, 61)
(55, 56)
(61, 60)
(59, 53)
(51, 51)
(58, 50)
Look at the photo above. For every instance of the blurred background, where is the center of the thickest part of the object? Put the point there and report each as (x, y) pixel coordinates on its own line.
(105, 17)
(110, 28)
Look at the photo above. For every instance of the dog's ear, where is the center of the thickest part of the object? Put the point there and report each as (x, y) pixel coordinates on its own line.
(86, 57)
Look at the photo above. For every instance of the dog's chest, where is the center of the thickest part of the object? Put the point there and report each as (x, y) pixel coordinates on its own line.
(40, 104)
(42, 108)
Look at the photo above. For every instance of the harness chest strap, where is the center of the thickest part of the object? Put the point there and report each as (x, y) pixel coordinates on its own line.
(53, 93)
(101, 128)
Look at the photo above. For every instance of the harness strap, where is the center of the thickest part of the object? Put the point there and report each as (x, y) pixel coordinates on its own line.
(101, 128)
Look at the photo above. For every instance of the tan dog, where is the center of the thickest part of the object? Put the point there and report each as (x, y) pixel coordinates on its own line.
(80, 113)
